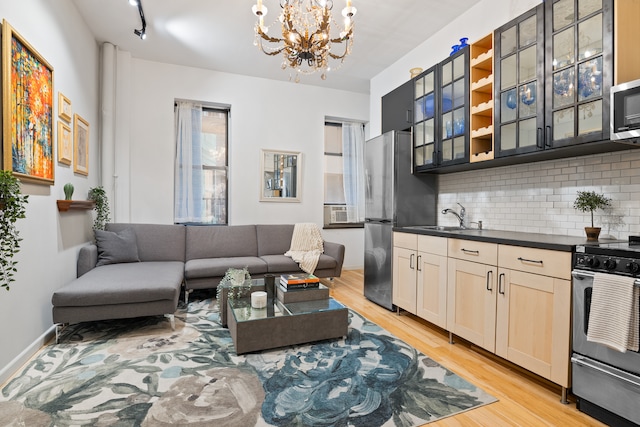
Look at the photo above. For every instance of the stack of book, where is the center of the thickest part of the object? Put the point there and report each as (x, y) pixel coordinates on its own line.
(301, 287)
(299, 281)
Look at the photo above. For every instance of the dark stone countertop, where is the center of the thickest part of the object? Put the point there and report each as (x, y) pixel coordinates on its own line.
(515, 238)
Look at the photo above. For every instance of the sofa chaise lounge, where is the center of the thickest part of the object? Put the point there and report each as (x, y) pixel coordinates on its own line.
(148, 281)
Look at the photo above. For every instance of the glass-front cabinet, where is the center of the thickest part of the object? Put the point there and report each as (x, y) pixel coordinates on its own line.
(454, 99)
(580, 72)
(552, 76)
(519, 84)
(441, 113)
(424, 119)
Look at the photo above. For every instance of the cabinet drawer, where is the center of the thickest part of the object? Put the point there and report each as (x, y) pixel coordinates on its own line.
(405, 240)
(432, 245)
(482, 252)
(537, 261)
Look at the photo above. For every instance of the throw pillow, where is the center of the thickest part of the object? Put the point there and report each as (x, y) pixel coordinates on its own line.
(117, 247)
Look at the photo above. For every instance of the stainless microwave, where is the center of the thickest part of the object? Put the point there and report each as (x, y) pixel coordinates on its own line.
(625, 112)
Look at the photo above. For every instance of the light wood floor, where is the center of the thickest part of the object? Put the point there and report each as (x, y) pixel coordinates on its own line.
(524, 399)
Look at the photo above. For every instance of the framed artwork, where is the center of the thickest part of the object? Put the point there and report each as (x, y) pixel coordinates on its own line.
(65, 144)
(281, 176)
(27, 105)
(64, 107)
(80, 145)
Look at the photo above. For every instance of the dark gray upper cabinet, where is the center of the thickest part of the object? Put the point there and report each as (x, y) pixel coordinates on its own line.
(579, 70)
(397, 107)
(553, 71)
(441, 113)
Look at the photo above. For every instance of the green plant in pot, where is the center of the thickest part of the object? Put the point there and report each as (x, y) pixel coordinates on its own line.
(12, 208)
(99, 196)
(590, 201)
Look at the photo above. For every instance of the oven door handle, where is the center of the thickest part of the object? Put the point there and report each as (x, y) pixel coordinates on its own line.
(581, 274)
(622, 376)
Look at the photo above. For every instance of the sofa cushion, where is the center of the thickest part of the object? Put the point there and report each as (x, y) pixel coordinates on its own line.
(221, 242)
(114, 248)
(217, 267)
(123, 283)
(282, 264)
(157, 242)
(274, 239)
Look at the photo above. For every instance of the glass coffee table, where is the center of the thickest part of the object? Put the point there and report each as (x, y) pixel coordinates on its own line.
(280, 324)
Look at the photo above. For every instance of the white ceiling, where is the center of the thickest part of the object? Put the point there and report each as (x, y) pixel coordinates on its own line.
(219, 35)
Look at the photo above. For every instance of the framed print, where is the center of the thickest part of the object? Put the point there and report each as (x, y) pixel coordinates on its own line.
(80, 145)
(65, 144)
(27, 105)
(64, 107)
(281, 176)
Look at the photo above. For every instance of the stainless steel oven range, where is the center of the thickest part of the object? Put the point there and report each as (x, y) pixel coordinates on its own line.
(606, 382)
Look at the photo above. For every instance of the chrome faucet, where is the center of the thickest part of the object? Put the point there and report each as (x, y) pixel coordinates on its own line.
(460, 216)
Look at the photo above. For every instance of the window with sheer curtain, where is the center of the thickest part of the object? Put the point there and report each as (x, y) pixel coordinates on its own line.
(201, 167)
(343, 172)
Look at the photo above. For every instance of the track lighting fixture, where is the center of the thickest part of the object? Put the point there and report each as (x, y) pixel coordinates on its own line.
(142, 33)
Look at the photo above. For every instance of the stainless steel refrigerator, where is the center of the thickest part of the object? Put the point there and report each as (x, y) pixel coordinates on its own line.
(394, 198)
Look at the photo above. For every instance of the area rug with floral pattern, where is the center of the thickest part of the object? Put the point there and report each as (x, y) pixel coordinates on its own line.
(138, 372)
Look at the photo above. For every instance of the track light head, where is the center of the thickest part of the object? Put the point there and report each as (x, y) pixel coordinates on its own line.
(140, 33)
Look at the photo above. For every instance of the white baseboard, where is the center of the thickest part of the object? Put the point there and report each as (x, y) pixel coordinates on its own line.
(17, 363)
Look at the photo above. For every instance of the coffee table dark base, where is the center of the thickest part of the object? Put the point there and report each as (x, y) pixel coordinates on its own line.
(283, 331)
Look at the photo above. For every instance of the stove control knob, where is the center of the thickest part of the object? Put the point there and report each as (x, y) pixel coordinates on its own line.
(633, 267)
(610, 264)
(592, 262)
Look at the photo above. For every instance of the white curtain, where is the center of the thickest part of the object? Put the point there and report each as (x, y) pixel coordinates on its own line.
(189, 177)
(353, 161)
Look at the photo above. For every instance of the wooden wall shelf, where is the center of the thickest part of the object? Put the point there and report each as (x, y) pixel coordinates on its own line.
(65, 205)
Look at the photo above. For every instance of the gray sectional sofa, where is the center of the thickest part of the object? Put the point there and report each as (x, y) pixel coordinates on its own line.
(139, 269)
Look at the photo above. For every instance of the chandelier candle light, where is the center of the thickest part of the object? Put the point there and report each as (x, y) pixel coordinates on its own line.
(306, 35)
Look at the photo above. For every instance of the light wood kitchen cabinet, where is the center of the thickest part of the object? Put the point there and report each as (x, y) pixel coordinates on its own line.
(533, 321)
(432, 280)
(513, 301)
(472, 288)
(419, 276)
(405, 253)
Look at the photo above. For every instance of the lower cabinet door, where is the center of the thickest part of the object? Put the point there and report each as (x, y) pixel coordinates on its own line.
(533, 323)
(432, 288)
(404, 278)
(471, 302)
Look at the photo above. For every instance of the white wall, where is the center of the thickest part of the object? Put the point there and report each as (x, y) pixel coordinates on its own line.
(50, 239)
(264, 114)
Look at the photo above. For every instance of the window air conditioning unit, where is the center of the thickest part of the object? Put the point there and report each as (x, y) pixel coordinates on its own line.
(340, 214)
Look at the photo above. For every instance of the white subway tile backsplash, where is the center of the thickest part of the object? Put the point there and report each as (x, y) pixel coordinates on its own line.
(538, 197)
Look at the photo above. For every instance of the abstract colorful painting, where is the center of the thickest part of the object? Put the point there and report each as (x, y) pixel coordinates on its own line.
(27, 110)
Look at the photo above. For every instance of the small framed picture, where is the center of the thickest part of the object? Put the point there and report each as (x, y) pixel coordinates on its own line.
(80, 145)
(64, 107)
(65, 143)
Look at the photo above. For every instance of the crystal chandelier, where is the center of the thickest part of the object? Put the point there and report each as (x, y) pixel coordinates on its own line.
(306, 40)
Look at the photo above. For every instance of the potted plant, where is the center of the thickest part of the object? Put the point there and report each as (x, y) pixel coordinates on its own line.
(12, 208)
(99, 196)
(589, 201)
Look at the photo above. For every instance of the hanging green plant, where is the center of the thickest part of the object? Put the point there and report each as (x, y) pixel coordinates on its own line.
(12, 208)
(99, 196)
